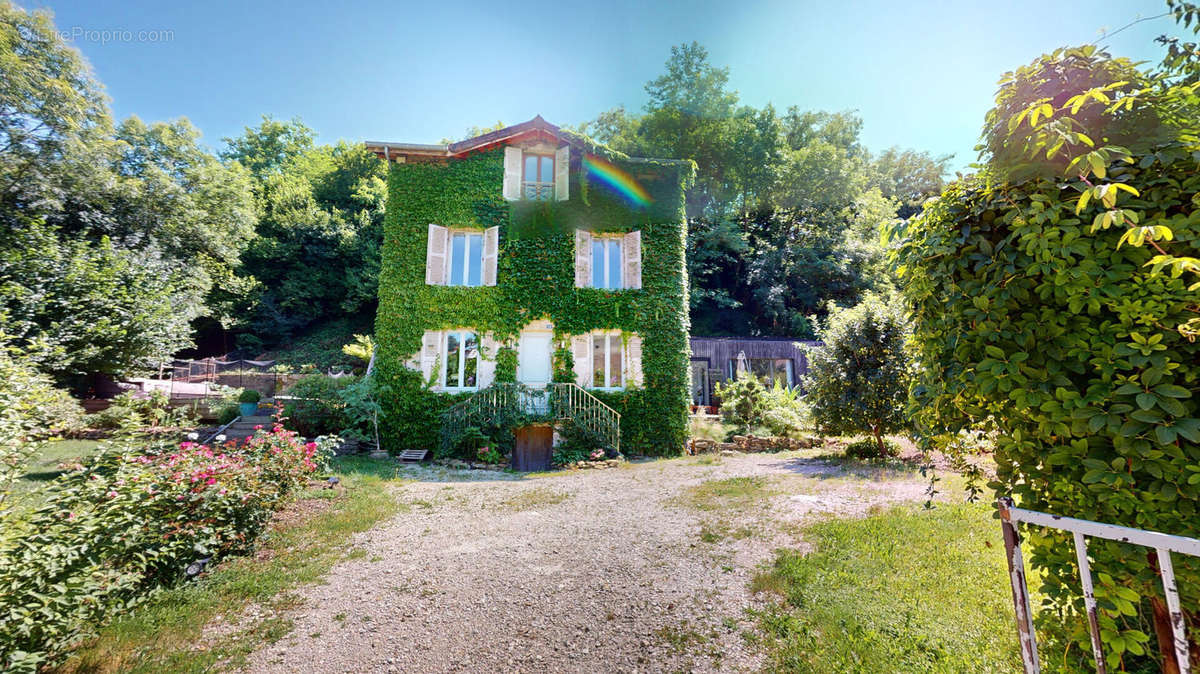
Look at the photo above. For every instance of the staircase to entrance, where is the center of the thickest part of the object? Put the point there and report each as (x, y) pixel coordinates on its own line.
(524, 406)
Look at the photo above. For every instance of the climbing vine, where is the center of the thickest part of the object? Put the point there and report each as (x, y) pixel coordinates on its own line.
(1028, 318)
(535, 280)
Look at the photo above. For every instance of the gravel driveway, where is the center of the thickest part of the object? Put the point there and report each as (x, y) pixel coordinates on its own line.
(637, 568)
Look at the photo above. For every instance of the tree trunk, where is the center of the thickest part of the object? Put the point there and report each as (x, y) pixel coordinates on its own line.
(1166, 638)
(880, 448)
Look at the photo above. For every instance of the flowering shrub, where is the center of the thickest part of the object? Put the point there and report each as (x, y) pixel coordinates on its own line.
(129, 523)
(489, 455)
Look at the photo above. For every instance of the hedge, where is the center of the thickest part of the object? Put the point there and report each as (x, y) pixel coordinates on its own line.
(1026, 318)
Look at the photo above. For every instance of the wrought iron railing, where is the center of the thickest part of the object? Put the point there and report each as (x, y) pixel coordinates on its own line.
(538, 191)
(517, 403)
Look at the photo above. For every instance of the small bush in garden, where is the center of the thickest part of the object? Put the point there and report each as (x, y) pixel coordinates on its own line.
(126, 525)
(317, 407)
(249, 396)
(784, 412)
(489, 455)
(224, 404)
(741, 402)
(360, 408)
(135, 410)
(869, 448)
(859, 378)
(575, 444)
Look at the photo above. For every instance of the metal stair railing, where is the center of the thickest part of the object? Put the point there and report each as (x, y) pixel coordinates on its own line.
(572, 403)
(557, 402)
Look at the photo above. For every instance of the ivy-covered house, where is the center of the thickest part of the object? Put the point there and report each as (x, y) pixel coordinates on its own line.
(532, 264)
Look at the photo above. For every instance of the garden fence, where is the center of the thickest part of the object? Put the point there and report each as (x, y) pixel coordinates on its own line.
(1163, 544)
(189, 379)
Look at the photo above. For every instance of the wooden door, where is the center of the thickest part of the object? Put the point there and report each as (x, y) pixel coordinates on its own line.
(533, 448)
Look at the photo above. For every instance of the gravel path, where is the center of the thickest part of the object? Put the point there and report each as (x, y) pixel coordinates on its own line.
(617, 570)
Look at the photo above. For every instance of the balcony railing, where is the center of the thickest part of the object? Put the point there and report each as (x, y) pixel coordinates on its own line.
(537, 191)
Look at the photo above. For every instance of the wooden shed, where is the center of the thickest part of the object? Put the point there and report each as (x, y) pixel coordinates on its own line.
(716, 359)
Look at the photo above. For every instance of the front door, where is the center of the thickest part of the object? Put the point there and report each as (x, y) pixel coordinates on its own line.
(534, 356)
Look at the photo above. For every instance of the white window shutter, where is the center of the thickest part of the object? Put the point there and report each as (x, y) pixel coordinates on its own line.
(583, 258)
(631, 250)
(435, 255)
(487, 361)
(431, 347)
(562, 173)
(581, 353)
(491, 245)
(633, 362)
(512, 173)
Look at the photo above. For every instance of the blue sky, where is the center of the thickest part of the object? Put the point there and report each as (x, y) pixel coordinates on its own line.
(920, 73)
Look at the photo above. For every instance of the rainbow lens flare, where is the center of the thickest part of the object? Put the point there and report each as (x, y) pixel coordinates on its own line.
(617, 179)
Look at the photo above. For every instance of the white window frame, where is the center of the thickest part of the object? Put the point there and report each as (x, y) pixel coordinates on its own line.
(607, 359)
(606, 241)
(443, 355)
(543, 190)
(466, 268)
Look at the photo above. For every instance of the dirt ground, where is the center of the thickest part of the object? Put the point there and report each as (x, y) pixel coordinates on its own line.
(641, 568)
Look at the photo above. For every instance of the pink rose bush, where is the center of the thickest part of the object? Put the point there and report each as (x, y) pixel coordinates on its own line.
(127, 524)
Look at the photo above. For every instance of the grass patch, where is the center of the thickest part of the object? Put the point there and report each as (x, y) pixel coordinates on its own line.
(715, 532)
(44, 467)
(168, 633)
(532, 498)
(909, 590)
(734, 493)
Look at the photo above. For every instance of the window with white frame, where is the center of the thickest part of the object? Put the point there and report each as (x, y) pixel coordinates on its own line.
(460, 360)
(608, 362)
(537, 177)
(607, 263)
(466, 259)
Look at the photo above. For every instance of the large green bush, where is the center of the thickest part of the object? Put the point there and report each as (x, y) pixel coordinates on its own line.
(859, 377)
(314, 405)
(31, 408)
(129, 523)
(1056, 297)
(1068, 342)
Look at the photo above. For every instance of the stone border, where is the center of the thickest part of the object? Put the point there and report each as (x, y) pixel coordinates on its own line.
(752, 444)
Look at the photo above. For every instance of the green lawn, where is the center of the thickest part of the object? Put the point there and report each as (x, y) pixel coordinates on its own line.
(164, 635)
(45, 466)
(910, 590)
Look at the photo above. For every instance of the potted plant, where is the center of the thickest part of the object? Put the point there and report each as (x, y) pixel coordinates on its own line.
(248, 402)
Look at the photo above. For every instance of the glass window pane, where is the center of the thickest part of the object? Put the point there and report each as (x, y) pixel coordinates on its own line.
(475, 260)
(471, 364)
(614, 360)
(457, 251)
(531, 167)
(547, 170)
(783, 371)
(598, 361)
(452, 371)
(761, 368)
(598, 263)
(614, 264)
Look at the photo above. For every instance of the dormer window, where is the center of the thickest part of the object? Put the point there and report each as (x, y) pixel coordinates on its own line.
(537, 172)
(537, 182)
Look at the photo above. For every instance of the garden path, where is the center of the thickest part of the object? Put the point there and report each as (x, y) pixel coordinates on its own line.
(645, 567)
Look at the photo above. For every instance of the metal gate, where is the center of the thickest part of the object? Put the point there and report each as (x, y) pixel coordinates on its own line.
(1163, 544)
